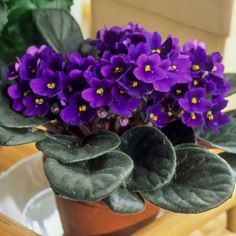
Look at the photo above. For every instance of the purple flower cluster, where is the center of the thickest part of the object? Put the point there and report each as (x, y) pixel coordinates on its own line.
(136, 72)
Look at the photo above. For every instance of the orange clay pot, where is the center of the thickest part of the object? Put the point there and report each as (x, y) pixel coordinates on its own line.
(96, 219)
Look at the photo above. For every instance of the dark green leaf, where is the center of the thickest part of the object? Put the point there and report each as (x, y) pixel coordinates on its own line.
(153, 155)
(11, 119)
(231, 160)
(91, 180)
(94, 146)
(59, 29)
(202, 181)
(184, 145)
(225, 139)
(87, 49)
(178, 133)
(13, 136)
(3, 15)
(122, 201)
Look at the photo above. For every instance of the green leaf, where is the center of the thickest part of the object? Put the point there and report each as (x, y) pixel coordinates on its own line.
(91, 180)
(11, 119)
(20, 30)
(225, 139)
(184, 145)
(87, 49)
(122, 201)
(202, 181)
(94, 146)
(178, 133)
(59, 29)
(231, 160)
(3, 16)
(153, 155)
(15, 136)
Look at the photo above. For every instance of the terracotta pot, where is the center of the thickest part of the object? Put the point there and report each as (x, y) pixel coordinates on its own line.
(96, 219)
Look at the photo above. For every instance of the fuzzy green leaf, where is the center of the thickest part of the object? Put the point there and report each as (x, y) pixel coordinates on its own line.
(122, 201)
(15, 136)
(225, 139)
(94, 146)
(153, 155)
(231, 160)
(59, 29)
(91, 180)
(202, 181)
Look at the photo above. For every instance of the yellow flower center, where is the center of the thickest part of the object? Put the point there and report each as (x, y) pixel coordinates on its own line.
(195, 82)
(153, 117)
(209, 115)
(156, 51)
(173, 67)
(193, 116)
(194, 100)
(118, 69)
(100, 91)
(147, 68)
(195, 67)
(51, 85)
(134, 84)
(70, 89)
(39, 101)
(83, 108)
(26, 93)
(122, 91)
(214, 68)
(178, 91)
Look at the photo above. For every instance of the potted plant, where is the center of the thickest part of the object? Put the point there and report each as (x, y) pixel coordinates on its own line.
(124, 122)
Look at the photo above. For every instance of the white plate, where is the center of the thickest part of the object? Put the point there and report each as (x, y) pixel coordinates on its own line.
(25, 196)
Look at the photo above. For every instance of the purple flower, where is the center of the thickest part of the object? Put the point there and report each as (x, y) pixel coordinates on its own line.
(214, 118)
(195, 101)
(13, 71)
(49, 85)
(218, 85)
(133, 86)
(99, 94)
(17, 92)
(193, 45)
(78, 112)
(154, 42)
(200, 61)
(157, 116)
(35, 106)
(123, 104)
(179, 68)
(115, 68)
(135, 51)
(28, 67)
(151, 68)
(192, 119)
(74, 82)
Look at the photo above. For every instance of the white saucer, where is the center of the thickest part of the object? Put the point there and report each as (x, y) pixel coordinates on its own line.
(25, 196)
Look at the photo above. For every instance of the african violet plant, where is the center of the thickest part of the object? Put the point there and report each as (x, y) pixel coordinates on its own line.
(123, 114)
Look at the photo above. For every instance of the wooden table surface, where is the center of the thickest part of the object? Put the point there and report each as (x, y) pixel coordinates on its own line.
(171, 224)
(9, 156)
